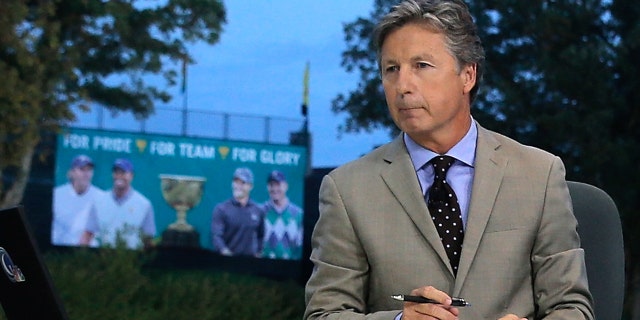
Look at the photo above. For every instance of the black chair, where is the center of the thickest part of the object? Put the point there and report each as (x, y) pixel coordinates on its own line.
(601, 237)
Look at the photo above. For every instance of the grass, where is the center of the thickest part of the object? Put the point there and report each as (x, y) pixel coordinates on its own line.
(114, 284)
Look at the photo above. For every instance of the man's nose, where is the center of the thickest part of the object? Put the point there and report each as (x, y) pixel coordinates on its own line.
(405, 84)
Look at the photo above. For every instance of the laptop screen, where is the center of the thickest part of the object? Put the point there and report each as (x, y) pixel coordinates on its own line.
(26, 289)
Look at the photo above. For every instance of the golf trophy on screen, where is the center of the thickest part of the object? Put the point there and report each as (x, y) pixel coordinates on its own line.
(182, 193)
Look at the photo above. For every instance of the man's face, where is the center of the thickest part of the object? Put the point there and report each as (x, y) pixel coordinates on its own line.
(121, 179)
(427, 94)
(81, 177)
(240, 189)
(277, 190)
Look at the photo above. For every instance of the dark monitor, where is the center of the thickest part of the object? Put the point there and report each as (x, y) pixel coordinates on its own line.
(26, 289)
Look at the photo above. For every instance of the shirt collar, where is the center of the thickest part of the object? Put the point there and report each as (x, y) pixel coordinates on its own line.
(122, 199)
(464, 150)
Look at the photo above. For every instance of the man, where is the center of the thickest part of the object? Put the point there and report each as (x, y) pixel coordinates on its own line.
(283, 221)
(71, 203)
(375, 237)
(122, 214)
(237, 224)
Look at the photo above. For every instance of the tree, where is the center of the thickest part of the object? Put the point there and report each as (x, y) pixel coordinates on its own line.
(560, 75)
(57, 55)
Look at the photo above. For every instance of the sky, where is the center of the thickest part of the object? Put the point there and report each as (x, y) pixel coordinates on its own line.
(257, 68)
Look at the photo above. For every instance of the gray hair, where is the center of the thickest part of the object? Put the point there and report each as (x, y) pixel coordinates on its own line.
(451, 17)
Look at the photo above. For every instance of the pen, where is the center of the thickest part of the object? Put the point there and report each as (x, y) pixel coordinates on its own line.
(456, 302)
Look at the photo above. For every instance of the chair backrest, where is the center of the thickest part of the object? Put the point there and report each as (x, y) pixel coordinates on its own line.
(601, 237)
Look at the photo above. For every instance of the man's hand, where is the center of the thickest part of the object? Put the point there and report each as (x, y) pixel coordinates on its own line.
(442, 310)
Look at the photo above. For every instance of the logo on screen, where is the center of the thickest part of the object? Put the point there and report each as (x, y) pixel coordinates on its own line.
(11, 270)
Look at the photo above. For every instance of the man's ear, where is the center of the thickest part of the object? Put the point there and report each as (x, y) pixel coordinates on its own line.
(469, 73)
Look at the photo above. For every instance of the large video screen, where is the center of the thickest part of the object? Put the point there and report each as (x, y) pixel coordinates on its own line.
(135, 189)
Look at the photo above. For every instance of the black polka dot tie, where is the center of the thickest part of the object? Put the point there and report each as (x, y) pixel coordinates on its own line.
(445, 210)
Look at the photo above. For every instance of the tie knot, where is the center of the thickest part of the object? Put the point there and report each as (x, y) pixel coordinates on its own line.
(441, 165)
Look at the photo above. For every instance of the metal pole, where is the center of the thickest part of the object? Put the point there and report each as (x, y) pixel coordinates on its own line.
(184, 96)
(100, 116)
(185, 113)
(267, 129)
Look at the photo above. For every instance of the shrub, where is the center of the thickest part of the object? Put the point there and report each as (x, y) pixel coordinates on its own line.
(114, 284)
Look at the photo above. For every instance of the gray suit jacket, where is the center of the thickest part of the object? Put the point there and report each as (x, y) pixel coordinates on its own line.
(521, 254)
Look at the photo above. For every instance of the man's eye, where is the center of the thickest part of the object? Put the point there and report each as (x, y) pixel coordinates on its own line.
(422, 65)
(391, 69)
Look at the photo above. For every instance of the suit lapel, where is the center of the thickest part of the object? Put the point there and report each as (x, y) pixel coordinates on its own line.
(400, 177)
(489, 171)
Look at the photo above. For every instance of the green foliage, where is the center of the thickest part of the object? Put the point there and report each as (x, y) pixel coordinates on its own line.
(560, 75)
(55, 55)
(115, 284)
(366, 105)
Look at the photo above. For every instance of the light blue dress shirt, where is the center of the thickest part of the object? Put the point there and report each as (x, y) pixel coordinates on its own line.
(459, 176)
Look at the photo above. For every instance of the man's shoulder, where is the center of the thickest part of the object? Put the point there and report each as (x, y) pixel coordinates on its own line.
(517, 153)
(513, 146)
(267, 205)
(254, 205)
(294, 208)
(223, 204)
(139, 198)
(102, 199)
(370, 161)
(62, 187)
(95, 191)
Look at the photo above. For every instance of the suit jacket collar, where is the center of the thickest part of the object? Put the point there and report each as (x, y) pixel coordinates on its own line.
(400, 177)
(489, 171)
